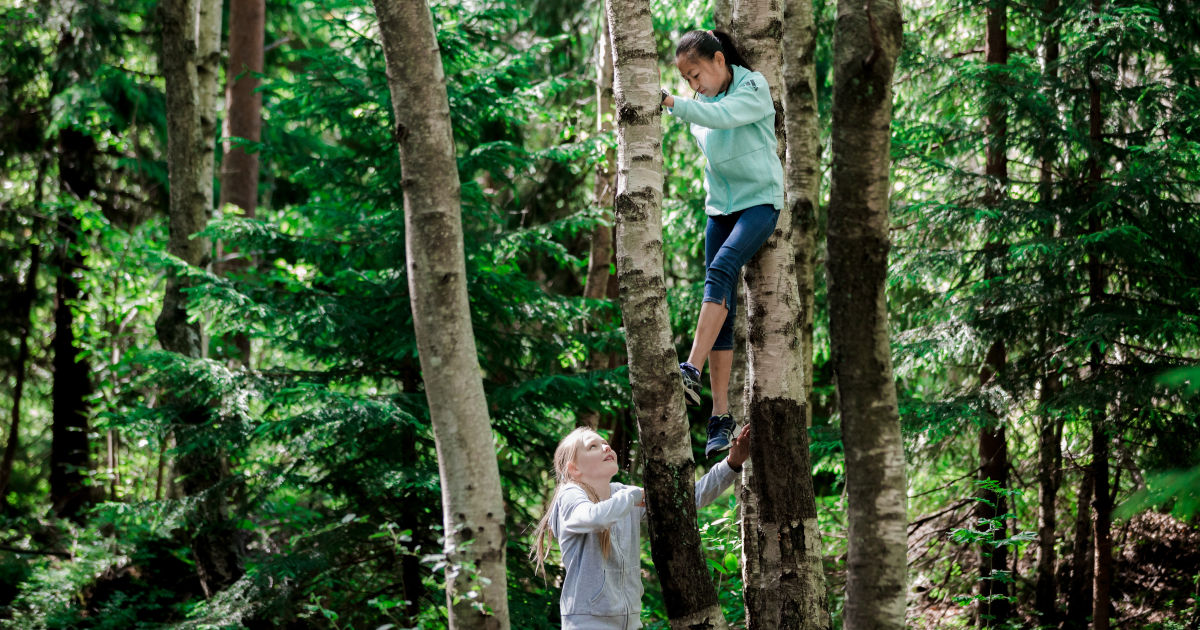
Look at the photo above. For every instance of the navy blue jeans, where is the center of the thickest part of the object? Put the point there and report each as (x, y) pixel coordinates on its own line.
(729, 243)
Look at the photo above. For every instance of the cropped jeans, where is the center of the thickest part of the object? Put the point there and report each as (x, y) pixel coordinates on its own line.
(730, 241)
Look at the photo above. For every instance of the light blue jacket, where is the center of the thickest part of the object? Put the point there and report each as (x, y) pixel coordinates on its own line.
(736, 133)
(601, 593)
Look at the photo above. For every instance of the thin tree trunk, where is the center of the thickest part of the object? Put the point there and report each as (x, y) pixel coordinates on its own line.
(191, 36)
(600, 254)
(1050, 434)
(472, 503)
(669, 470)
(783, 576)
(1049, 480)
(1101, 603)
(866, 44)
(994, 608)
(243, 119)
(24, 310)
(1079, 599)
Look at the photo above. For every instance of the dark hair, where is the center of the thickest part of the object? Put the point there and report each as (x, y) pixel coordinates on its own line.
(706, 44)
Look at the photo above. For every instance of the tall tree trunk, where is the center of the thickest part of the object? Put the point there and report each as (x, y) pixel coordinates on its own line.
(994, 607)
(70, 456)
(243, 119)
(783, 576)
(669, 471)
(802, 175)
(1079, 599)
(866, 44)
(191, 36)
(1101, 603)
(472, 503)
(1049, 480)
(1050, 432)
(1103, 505)
(600, 254)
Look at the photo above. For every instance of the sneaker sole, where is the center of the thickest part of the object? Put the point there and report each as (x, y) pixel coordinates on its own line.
(691, 397)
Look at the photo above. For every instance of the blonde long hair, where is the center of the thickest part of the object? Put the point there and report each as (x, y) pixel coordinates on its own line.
(566, 453)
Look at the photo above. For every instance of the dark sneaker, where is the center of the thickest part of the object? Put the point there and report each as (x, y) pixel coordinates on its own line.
(691, 383)
(720, 434)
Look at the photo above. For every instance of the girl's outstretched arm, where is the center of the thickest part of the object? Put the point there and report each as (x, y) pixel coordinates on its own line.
(749, 103)
(577, 513)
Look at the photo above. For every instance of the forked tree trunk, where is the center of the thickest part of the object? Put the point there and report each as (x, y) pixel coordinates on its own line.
(866, 44)
(782, 572)
(472, 503)
(24, 310)
(191, 36)
(243, 119)
(669, 471)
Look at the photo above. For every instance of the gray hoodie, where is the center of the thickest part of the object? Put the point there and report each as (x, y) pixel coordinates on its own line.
(600, 593)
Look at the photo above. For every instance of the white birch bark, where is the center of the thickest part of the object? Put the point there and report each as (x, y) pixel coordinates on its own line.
(669, 469)
(785, 582)
(472, 505)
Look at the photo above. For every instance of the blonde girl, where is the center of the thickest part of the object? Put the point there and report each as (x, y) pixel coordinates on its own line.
(597, 524)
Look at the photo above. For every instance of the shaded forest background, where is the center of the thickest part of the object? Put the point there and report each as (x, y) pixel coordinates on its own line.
(1045, 321)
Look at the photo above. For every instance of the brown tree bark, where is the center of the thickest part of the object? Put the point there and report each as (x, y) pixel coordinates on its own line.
(1079, 598)
(866, 44)
(1102, 504)
(601, 249)
(669, 471)
(1049, 481)
(1051, 427)
(243, 119)
(472, 503)
(994, 608)
(191, 36)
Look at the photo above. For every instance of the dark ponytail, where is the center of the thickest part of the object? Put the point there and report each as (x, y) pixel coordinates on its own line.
(706, 44)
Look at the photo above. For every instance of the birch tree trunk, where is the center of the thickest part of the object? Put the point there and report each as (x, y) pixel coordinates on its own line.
(782, 572)
(243, 119)
(669, 471)
(472, 503)
(866, 44)
(191, 36)
(802, 174)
